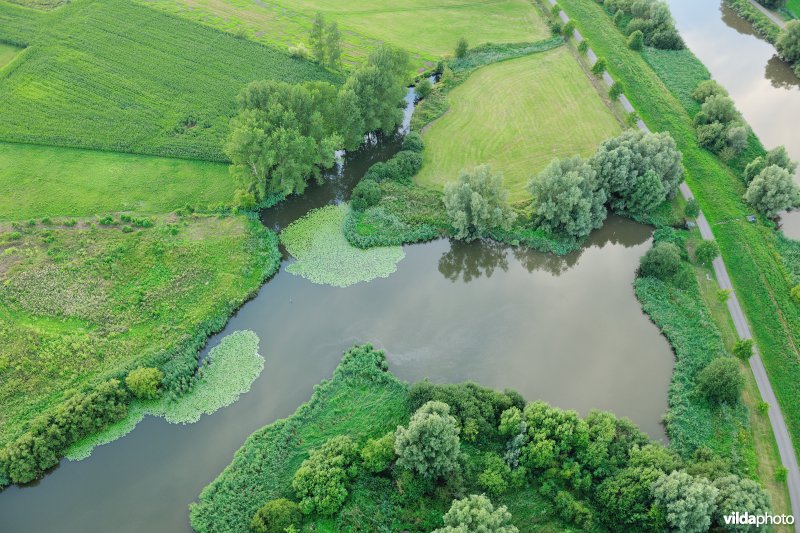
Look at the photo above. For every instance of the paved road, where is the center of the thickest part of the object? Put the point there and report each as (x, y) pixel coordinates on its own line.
(771, 14)
(781, 432)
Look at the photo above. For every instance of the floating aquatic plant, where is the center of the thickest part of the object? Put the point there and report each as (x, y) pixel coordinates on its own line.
(324, 256)
(234, 366)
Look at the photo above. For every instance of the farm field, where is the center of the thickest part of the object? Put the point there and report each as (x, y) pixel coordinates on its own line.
(145, 81)
(517, 116)
(82, 304)
(427, 28)
(45, 181)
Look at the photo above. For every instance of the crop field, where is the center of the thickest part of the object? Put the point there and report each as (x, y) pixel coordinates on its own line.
(427, 28)
(517, 116)
(120, 76)
(78, 304)
(46, 181)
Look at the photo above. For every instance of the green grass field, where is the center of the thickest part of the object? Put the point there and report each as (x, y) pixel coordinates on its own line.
(427, 28)
(7, 53)
(80, 304)
(120, 76)
(39, 181)
(756, 268)
(517, 116)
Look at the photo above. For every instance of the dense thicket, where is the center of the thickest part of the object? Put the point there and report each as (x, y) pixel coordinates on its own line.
(651, 17)
(720, 128)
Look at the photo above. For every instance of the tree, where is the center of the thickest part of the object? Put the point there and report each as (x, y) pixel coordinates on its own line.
(366, 194)
(721, 381)
(777, 156)
(742, 495)
(599, 67)
(378, 454)
(423, 88)
(773, 191)
(661, 261)
(636, 40)
(321, 480)
(717, 108)
(413, 142)
(567, 197)
(276, 516)
(461, 48)
(743, 349)
(646, 195)
(615, 90)
(626, 499)
(380, 87)
(692, 209)
(477, 203)
(706, 252)
(688, 502)
(476, 514)
(348, 117)
(583, 46)
(622, 162)
(317, 38)
(496, 474)
(333, 45)
(788, 43)
(145, 382)
(706, 89)
(429, 445)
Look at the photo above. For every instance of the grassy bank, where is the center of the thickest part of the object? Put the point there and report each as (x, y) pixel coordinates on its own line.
(750, 253)
(145, 81)
(84, 303)
(518, 116)
(426, 28)
(45, 181)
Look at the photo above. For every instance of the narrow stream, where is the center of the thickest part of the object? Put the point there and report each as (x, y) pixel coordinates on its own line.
(764, 87)
(567, 330)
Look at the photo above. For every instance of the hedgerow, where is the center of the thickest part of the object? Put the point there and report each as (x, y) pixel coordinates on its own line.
(324, 255)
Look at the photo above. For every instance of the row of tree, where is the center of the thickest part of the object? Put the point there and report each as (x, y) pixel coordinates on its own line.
(719, 125)
(285, 134)
(650, 17)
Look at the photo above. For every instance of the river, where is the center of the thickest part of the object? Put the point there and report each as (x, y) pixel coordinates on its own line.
(765, 89)
(566, 330)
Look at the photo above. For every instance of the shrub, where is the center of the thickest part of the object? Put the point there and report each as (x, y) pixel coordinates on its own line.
(743, 349)
(476, 513)
(661, 261)
(688, 502)
(615, 90)
(366, 194)
(795, 293)
(555, 10)
(378, 454)
(377, 172)
(423, 88)
(692, 209)
(276, 516)
(788, 43)
(145, 382)
(599, 67)
(429, 445)
(723, 295)
(583, 47)
(706, 252)
(495, 476)
(300, 51)
(413, 142)
(461, 48)
(404, 165)
(477, 203)
(573, 510)
(321, 481)
(721, 381)
(706, 89)
(569, 29)
(636, 40)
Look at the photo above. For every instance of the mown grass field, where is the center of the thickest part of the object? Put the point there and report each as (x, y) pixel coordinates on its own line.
(7, 53)
(115, 75)
(45, 181)
(517, 116)
(80, 304)
(755, 266)
(427, 28)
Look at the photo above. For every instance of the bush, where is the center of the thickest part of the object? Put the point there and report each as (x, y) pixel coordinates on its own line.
(300, 51)
(721, 381)
(377, 172)
(461, 48)
(366, 194)
(276, 516)
(599, 67)
(583, 47)
(429, 445)
(692, 209)
(378, 454)
(706, 252)
(413, 142)
(495, 476)
(569, 29)
(615, 90)
(423, 88)
(321, 481)
(477, 203)
(795, 293)
(404, 165)
(145, 382)
(636, 40)
(661, 261)
(476, 513)
(706, 89)
(788, 43)
(743, 349)
(773, 191)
